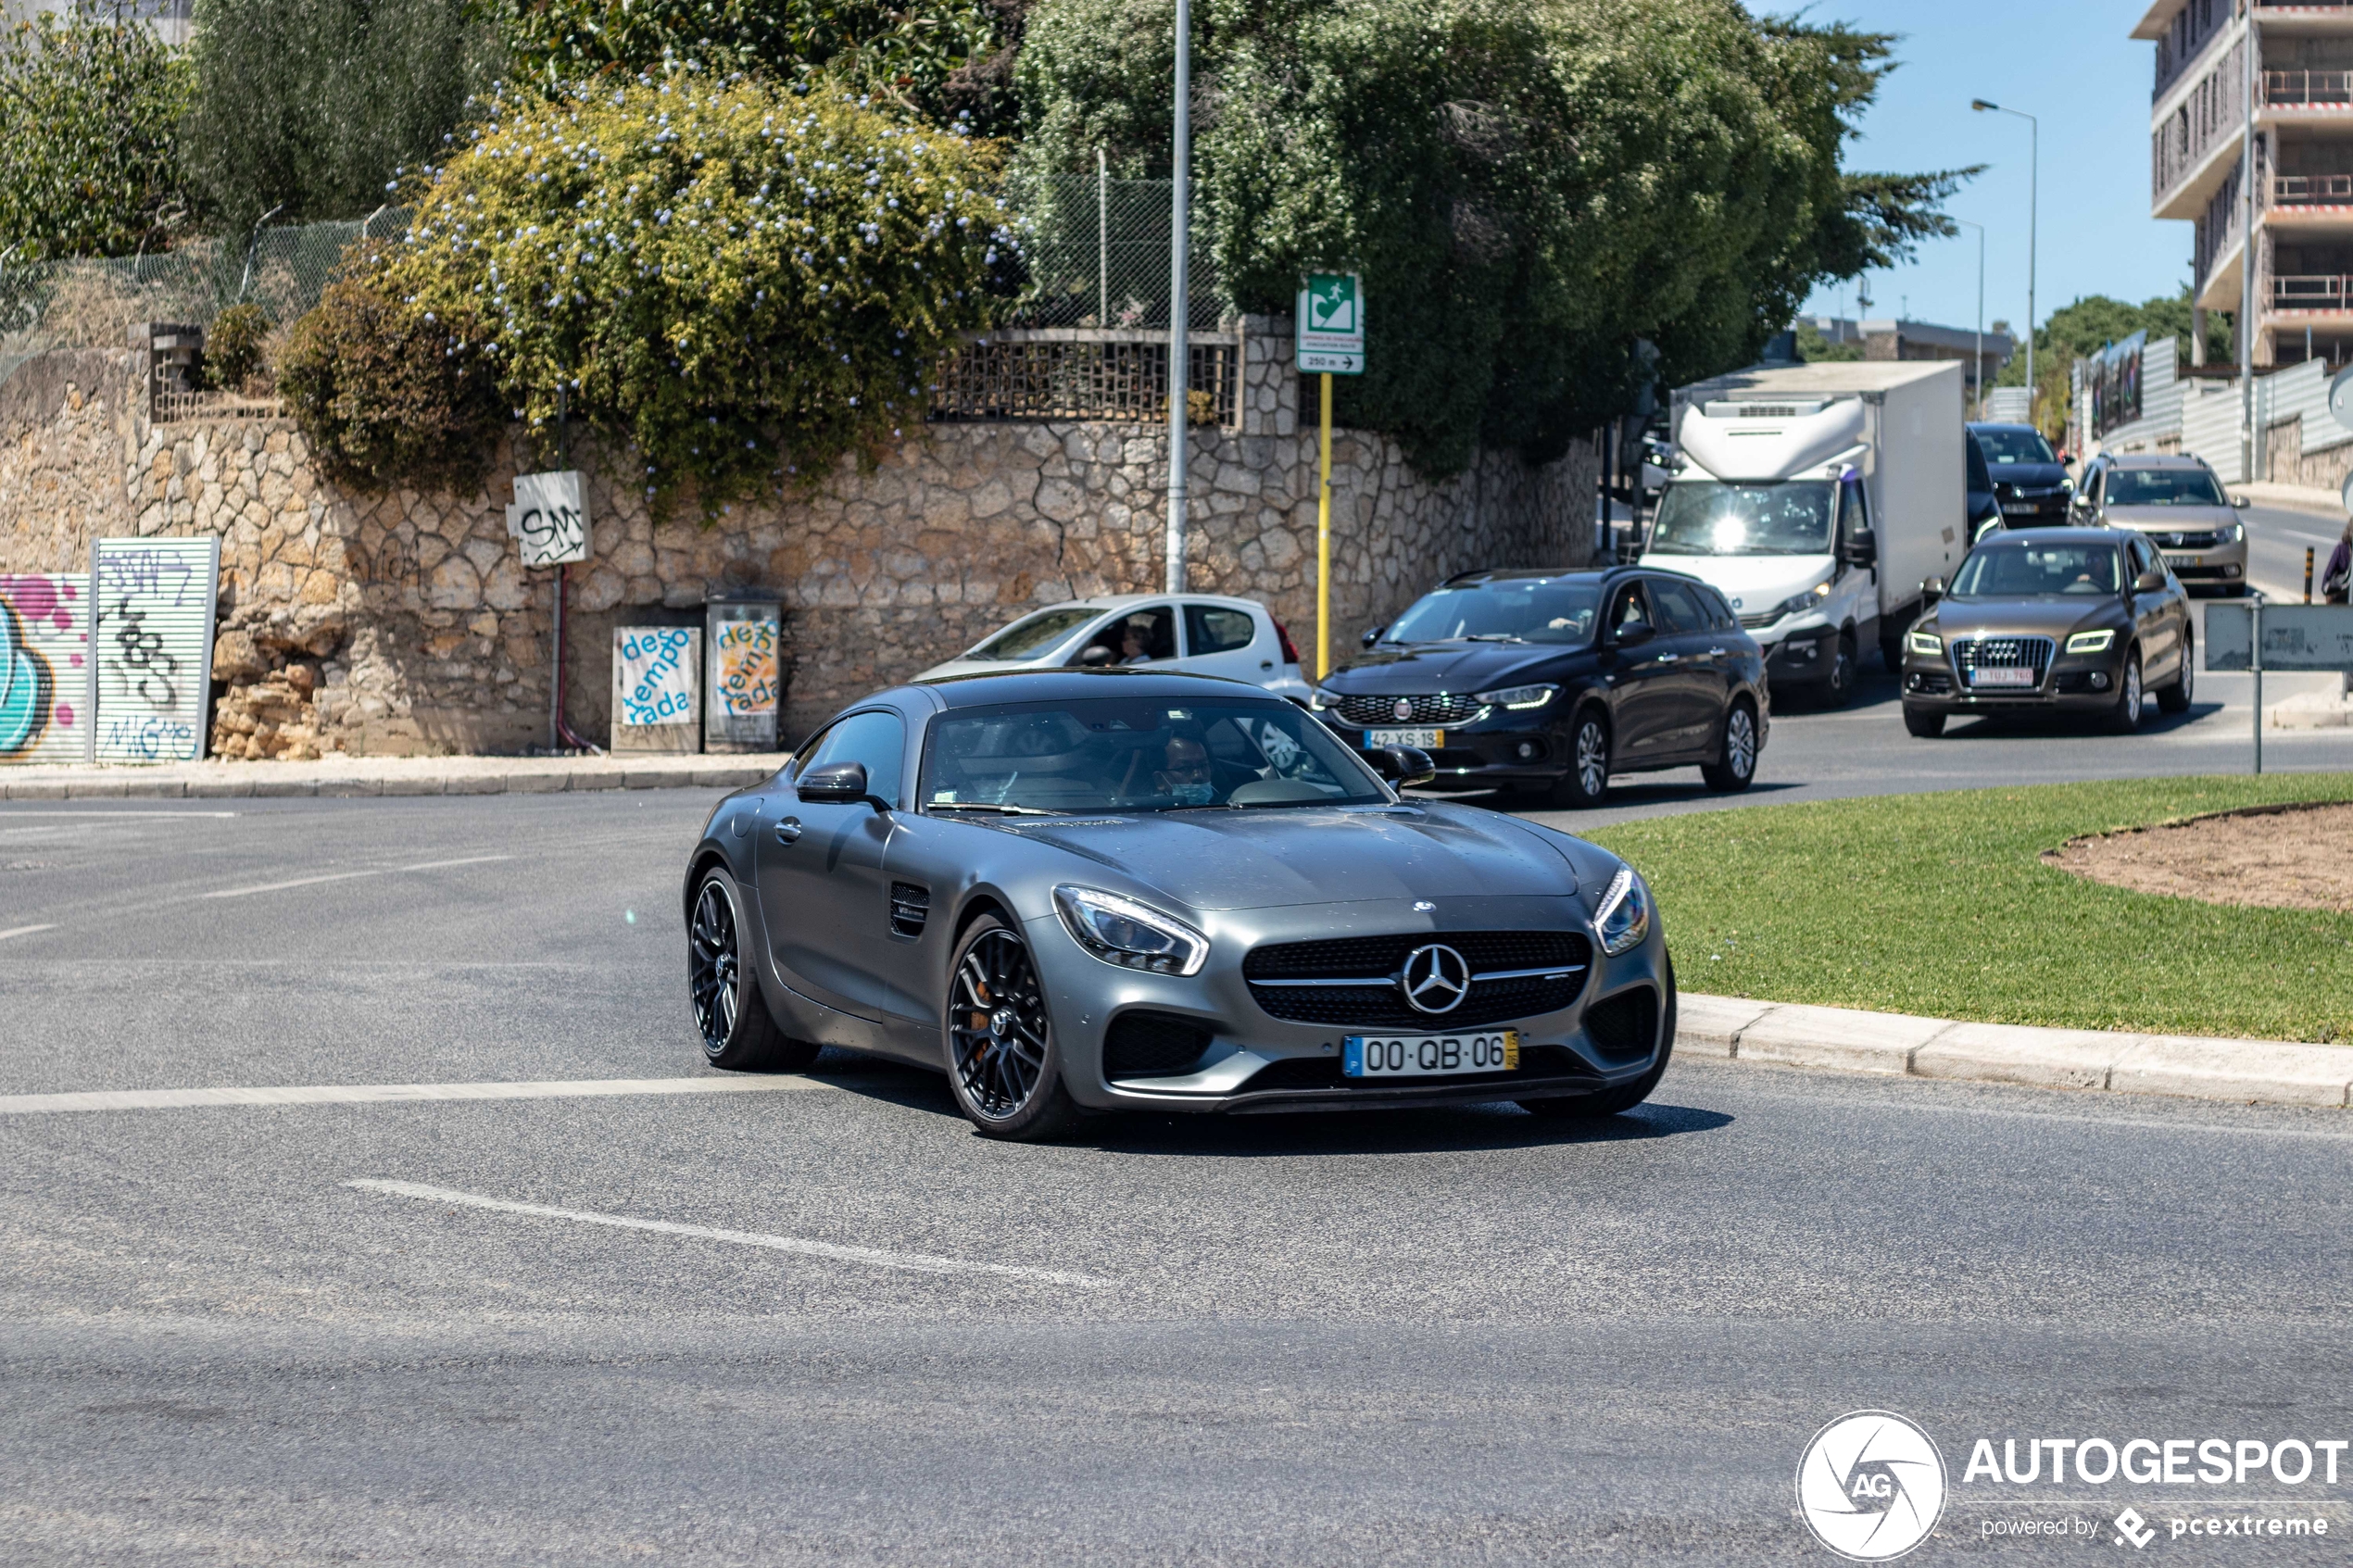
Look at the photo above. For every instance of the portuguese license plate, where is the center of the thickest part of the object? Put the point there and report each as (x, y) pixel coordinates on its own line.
(2010, 676)
(1427, 740)
(2019, 508)
(2185, 560)
(1428, 1056)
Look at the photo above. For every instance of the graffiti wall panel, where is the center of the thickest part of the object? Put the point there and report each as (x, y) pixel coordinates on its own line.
(45, 643)
(154, 602)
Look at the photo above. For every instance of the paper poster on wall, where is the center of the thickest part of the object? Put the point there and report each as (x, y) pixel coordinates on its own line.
(747, 675)
(550, 516)
(152, 603)
(657, 679)
(44, 644)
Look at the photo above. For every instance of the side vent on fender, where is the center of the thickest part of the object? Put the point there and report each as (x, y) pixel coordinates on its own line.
(910, 907)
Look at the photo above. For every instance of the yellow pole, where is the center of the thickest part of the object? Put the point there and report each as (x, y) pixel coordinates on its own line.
(1324, 542)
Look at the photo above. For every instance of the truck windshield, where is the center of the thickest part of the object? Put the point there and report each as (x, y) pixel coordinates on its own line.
(1706, 517)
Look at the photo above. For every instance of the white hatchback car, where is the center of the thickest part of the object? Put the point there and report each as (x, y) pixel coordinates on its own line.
(1235, 638)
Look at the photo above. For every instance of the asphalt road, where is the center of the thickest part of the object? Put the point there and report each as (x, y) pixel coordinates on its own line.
(1458, 1338)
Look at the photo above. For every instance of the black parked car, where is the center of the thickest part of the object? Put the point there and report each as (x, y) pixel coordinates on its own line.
(1983, 506)
(1549, 682)
(2073, 621)
(2030, 483)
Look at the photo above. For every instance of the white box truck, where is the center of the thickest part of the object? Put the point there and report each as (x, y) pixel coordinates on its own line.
(1816, 498)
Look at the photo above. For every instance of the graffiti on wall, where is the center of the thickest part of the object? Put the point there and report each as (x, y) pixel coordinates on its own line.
(154, 601)
(44, 636)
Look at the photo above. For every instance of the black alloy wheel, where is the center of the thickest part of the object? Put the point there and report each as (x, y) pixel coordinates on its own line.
(2125, 716)
(730, 1014)
(2175, 699)
(1586, 784)
(1735, 768)
(1002, 1064)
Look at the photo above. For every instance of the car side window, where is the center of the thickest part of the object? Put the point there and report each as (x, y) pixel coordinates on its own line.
(1629, 606)
(1678, 610)
(876, 739)
(1720, 615)
(2143, 558)
(1141, 636)
(1215, 628)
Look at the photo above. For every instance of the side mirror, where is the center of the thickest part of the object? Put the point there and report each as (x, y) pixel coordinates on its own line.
(1374, 635)
(2150, 582)
(1634, 633)
(2242, 502)
(1862, 548)
(838, 783)
(1095, 657)
(1931, 590)
(1404, 765)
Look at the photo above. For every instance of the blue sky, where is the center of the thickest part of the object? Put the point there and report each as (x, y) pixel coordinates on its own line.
(2071, 64)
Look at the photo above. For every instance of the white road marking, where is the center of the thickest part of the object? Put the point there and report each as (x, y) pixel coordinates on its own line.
(469, 861)
(23, 930)
(297, 882)
(377, 1094)
(48, 814)
(920, 1263)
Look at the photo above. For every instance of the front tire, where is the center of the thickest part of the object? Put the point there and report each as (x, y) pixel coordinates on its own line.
(1586, 784)
(1002, 1063)
(739, 1035)
(1923, 724)
(1626, 1097)
(1837, 690)
(2175, 699)
(1736, 768)
(2125, 716)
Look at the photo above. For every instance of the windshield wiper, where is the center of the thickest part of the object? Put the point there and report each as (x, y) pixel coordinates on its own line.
(1002, 810)
(1493, 637)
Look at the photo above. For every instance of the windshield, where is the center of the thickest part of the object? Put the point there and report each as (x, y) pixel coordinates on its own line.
(1036, 634)
(2026, 570)
(1511, 610)
(1709, 518)
(2163, 487)
(1137, 754)
(2014, 446)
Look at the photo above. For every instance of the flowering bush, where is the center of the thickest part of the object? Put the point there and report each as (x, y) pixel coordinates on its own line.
(744, 280)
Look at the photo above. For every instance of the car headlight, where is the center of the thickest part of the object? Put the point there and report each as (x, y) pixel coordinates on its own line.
(2233, 533)
(1321, 700)
(1120, 931)
(1624, 916)
(1924, 642)
(1518, 697)
(2090, 642)
(1799, 604)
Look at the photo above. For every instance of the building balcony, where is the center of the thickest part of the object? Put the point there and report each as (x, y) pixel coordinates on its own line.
(2308, 89)
(2310, 294)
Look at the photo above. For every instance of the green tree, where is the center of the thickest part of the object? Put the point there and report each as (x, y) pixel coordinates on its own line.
(313, 107)
(1813, 348)
(89, 165)
(742, 280)
(1528, 186)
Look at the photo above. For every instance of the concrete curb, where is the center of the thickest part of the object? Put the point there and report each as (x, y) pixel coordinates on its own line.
(385, 775)
(1784, 1034)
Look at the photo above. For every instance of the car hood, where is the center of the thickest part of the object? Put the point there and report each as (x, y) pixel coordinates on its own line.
(1266, 859)
(1753, 583)
(2048, 617)
(2032, 476)
(2172, 519)
(1441, 667)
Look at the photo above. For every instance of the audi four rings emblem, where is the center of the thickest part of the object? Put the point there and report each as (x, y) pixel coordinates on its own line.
(1402, 707)
(1436, 978)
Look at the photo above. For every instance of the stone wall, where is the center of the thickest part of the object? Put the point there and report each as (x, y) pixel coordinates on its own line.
(402, 623)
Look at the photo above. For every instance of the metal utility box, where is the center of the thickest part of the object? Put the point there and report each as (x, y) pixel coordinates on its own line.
(745, 634)
(657, 688)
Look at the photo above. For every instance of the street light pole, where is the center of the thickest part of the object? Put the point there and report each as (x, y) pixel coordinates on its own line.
(1977, 372)
(1179, 301)
(2246, 306)
(2033, 214)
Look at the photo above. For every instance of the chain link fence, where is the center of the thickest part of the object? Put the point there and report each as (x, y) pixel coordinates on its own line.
(1098, 254)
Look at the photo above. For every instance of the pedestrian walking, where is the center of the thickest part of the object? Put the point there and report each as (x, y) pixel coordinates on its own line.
(2338, 578)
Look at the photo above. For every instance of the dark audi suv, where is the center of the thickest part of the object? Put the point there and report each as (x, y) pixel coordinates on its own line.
(2069, 619)
(1549, 682)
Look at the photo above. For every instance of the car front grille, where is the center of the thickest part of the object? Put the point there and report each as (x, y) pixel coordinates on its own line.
(1513, 974)
(1752, 622)
(2003, 653)
(1444, 708)
(2186, 541)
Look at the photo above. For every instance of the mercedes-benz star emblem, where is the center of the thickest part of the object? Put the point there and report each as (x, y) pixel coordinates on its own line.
(1402, 707)
(1436, 978)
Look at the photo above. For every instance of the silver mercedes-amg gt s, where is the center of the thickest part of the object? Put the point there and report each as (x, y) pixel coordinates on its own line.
(1104, 890)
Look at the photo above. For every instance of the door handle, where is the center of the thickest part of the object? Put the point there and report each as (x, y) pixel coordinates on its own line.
(1668, 658)
(1715, 652)
(789, 830)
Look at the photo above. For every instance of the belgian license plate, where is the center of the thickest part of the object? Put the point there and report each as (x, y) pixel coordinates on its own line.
(1428, 1056)
(1427, 740)
(2018, 676)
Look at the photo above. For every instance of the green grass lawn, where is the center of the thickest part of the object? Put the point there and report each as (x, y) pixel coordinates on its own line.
(1940, 905)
